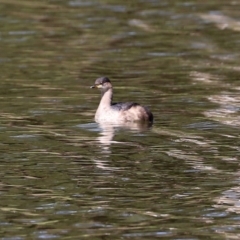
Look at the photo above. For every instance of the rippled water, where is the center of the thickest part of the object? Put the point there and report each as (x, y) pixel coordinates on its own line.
(65, 177)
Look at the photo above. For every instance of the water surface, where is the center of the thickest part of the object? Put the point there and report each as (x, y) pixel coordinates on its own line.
(63, 176)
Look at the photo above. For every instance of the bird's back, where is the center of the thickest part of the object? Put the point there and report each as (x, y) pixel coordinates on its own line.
(131, 111)
(123, 106)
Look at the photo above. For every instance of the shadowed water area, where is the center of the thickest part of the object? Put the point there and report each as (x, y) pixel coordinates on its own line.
(63, 176)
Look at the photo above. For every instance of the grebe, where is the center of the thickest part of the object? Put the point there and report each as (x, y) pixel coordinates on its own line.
(118, 112)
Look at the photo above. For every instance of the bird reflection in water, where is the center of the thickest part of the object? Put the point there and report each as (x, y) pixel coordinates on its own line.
(105, 140)
(108, 131)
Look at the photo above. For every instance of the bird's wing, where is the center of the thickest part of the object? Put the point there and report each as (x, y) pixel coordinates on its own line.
(124, 106)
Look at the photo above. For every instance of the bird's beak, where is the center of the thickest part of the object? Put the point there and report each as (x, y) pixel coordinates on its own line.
(96, 86)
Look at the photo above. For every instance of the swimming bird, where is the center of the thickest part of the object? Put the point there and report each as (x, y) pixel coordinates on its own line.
(118, 112)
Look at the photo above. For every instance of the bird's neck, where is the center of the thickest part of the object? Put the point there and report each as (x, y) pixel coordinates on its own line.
(106, 99)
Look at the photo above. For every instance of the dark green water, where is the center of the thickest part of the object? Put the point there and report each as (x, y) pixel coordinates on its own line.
(62, 176)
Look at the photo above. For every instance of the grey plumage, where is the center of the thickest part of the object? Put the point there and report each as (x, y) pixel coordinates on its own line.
(123, 106)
